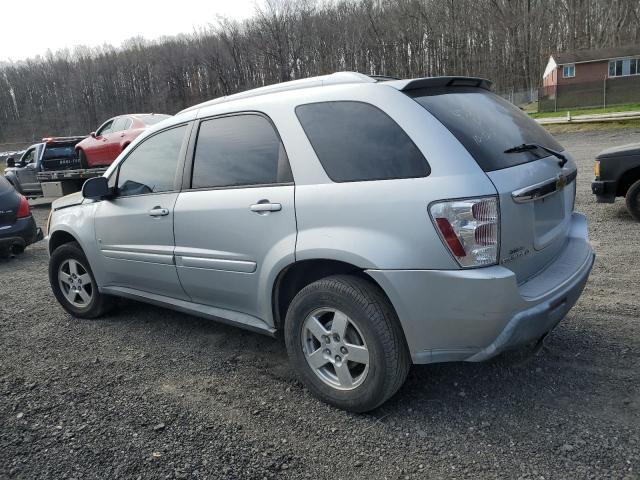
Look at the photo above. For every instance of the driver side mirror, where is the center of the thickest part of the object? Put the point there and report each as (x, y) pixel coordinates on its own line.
(97, 188)
(92, 134)
(11, 162)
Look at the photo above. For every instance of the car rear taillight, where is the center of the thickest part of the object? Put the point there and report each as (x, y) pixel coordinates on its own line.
(469, 227)
(23, 209)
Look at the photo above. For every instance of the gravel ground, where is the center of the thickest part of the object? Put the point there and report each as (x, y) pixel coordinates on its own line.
(149, 393)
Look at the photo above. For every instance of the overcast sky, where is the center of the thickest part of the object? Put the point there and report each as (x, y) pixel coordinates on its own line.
(30, 27)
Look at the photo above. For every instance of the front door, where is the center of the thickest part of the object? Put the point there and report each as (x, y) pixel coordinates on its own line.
(99, 153)
(27, 173)
(134, 230)
(236, 225)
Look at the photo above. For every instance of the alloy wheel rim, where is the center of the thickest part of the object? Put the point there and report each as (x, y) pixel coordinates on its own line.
(75, 283)
(335, 348)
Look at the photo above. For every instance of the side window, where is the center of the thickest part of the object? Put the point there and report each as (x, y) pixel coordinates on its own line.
(127, 124)
(239, 150)
(105, 128)
(119, 124)
(29, 156)
(356, 141)
(151, 166)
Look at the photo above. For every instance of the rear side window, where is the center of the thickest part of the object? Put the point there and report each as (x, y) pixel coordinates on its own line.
(356, 141)
(239, 150)
(151, 167)
(153, 119)
(486, 125)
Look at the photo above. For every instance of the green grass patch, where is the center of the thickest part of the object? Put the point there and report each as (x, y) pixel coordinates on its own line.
(631, 107)
(586, 127)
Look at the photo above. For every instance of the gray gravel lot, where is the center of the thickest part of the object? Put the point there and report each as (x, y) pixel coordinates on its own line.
(150, 393)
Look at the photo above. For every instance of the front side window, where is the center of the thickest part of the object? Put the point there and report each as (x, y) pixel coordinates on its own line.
(151, 166)
(569, 71)
(28, 157)
(105, 128)
(355, 141)
(239, 150)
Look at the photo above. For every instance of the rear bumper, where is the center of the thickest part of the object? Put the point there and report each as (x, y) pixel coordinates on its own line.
(21, 234)
(604, 190)
(475, 314)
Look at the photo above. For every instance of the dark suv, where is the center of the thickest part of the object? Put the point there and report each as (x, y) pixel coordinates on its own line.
(17, 227)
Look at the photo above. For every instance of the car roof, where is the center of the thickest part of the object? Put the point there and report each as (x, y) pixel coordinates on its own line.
(345, 78)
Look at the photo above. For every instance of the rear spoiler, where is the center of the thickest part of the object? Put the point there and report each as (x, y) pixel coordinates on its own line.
(435, 82)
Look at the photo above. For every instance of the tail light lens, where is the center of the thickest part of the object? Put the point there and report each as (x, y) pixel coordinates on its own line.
(469, 227)
(23, 209)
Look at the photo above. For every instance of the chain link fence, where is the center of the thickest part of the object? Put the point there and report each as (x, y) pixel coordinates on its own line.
(603, 93)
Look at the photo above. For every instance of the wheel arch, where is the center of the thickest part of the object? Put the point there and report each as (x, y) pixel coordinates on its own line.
(295, 276)
(60, 237)
(628, 178)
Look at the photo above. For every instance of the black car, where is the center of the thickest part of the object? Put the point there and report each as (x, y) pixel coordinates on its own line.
(17, 226)
(617, 172)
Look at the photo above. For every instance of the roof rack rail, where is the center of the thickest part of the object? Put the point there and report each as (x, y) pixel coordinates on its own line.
(331, 79)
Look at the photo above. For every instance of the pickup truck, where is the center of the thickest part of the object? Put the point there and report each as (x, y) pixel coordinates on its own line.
(50, 168)
(617, 172)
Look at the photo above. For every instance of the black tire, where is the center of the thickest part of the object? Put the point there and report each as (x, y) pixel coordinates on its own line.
(98, 304)
(632, 199)
(83, 159)
(368, 309)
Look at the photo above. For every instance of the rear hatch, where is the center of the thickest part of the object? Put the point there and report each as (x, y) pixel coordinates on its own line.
(9, 202)
(60, 154)
(536, 193)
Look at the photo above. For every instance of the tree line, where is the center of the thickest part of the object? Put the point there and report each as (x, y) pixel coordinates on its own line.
(508, 41)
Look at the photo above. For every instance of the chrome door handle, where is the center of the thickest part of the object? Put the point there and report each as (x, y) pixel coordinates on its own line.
(159, 212)
(266, 207)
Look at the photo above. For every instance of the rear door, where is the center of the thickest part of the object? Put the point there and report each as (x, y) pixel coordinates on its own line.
(237, 221)
(536, 193)
(134, 230)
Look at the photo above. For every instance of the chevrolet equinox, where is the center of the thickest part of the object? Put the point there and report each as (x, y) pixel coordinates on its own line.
(375, 222)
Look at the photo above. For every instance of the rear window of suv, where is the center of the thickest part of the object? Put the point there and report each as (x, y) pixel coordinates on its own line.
(486, 125)
(355, 141)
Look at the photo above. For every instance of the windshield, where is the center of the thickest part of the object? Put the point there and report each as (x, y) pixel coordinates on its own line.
(66, 151)
(486, 125)
(153, 119)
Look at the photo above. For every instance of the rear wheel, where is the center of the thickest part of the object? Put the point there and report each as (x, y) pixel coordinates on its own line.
(73, 283)
(633, 200)
(345, 342)
(83, 159)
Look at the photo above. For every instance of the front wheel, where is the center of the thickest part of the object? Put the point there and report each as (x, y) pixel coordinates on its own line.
(633, 200)
(345, 342)
(83, 159)
(73, 283)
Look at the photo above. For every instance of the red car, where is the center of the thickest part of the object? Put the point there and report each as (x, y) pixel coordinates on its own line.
(103, 146)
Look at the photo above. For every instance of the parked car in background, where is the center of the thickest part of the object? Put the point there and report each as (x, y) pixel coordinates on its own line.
(617, 172)
(376, 223)
(102, 147)
(53, 154)
(17, 226)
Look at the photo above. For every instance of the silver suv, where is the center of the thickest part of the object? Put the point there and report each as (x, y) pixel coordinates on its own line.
(376, 223)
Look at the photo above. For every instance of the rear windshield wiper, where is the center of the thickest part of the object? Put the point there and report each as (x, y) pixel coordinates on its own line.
(533, 146)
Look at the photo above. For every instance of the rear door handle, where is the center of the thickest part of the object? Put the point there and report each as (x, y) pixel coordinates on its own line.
(159, 212)
(266, 207)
